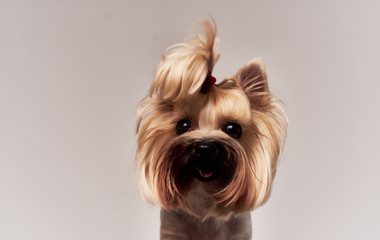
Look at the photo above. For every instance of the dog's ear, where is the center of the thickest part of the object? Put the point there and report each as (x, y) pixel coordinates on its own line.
(253, 80)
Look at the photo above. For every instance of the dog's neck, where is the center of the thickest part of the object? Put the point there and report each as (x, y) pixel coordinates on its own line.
(179, 225)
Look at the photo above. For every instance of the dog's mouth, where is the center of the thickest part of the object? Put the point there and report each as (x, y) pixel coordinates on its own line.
(205, 173)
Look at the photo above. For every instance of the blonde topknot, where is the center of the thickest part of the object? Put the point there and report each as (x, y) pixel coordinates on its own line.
(184, 67)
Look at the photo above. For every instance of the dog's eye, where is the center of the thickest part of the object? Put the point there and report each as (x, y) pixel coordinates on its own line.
(183, 126)
(233, 130)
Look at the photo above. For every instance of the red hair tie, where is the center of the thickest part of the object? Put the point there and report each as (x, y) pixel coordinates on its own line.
(209, 81)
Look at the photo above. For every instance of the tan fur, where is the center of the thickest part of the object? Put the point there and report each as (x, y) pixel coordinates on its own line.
(243, 98)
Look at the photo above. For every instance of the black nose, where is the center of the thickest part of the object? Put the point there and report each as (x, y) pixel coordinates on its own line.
(205, 150)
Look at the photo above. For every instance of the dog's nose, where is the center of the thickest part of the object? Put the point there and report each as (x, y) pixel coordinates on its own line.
(205, 150)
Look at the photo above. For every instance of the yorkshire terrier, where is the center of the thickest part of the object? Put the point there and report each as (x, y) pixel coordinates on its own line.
(207, 153)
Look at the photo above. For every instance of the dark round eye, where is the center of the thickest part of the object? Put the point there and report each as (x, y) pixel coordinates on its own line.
(183, 126)
(233, 130)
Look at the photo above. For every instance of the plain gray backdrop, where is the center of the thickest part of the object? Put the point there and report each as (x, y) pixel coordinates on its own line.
(71, 76)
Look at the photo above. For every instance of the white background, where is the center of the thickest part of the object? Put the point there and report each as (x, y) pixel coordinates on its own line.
(71, 76)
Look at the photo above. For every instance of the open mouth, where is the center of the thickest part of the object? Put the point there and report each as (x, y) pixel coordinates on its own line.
(205, 174)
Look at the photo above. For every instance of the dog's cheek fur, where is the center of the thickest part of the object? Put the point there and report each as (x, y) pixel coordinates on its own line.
(155, 129)
(167, 189)
(262, 142)
(148, 168)
(173, 176)
(236, 196)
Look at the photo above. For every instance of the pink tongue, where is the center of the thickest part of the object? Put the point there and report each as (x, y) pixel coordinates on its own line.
(205, 174)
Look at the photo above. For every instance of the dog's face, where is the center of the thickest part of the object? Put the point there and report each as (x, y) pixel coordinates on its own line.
(209, 151)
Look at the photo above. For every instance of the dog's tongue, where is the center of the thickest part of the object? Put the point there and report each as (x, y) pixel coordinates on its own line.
(205, 174)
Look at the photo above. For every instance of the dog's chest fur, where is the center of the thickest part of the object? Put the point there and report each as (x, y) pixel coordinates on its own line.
(182, 226)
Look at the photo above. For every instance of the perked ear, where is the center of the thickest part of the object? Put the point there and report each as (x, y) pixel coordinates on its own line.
(253, 80)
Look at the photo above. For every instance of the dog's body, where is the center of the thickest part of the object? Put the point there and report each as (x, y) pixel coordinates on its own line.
(207, 153)
(180, 225)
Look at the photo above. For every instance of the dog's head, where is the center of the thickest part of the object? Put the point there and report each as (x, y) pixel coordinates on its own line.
(210, 150)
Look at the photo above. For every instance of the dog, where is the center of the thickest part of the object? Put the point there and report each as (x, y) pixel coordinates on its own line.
(207, 153)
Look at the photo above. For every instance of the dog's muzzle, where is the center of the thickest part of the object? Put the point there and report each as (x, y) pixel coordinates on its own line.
(204, 161)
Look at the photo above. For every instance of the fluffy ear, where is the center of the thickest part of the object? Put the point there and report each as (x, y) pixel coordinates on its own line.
(253, 80)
